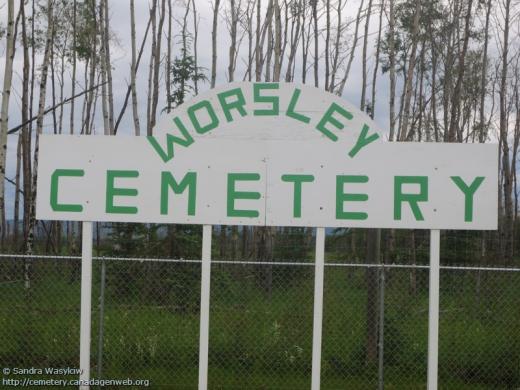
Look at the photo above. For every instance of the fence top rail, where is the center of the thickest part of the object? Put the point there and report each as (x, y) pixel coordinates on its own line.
(249, 262)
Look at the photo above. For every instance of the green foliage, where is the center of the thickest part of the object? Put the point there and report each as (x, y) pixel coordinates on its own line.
(295, 244)
(431, 16)
(430, 25)
(131, 239)
(184, 73)
(158, 281)
(87, 31)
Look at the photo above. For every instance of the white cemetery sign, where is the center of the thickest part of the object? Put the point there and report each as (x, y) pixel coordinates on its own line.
(268, 154)
(271, 154)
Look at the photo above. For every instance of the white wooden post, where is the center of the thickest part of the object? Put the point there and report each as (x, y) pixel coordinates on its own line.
(318, 308)
(433, 318)
(204, 307)
(86, 296)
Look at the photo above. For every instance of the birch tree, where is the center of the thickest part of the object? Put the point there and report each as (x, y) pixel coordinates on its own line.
(135, 113)
(39, 130)
(507, 226)
(4, 114)
(216, 5)
(403, 131)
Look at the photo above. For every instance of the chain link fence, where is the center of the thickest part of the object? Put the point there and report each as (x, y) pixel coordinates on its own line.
(145, 320)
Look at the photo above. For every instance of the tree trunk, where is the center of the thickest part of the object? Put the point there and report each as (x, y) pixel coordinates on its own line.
(149, 97)
(128, 91)
(364, 57)
(453, 135)
(6, 94)
(339, 92)
(88, 117)
(507, 226)
(413, 272)
(135, 113)
(403, 132)
(376, 66)
(108, 69)
(214, 43)
(327, 44)
(483, 77)
(156, 67)
(73, 81)
(295, 35)
(16, 216)
(223, 241)
(249, 14)
(25, 135)
(104, 64)
(391, 43)
(316, 48)
(195, 48)
(336, 49)
(277, 42)
(258, 52)
(39, 129)
(233, 37)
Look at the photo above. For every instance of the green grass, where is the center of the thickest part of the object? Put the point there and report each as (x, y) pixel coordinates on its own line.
(263, 339)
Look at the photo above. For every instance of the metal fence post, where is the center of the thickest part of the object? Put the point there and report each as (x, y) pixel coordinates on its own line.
(381, 378)
(433, 317)
(86, 304)
(318, 308)
(101, 320)
(204, 307)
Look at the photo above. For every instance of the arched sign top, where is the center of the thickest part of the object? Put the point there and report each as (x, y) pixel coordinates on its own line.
(274, 154)
(261, 111)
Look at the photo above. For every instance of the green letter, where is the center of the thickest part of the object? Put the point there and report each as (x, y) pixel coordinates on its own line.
(328, 117)
(274, 100)
(168, 181)
(468, 194)
(363, 141)
(204, 104)
(341, 197)
(237, 104)
(298, 180)
(292, 104)
(234, 195)
(76, 208)
(113, 191)
(171, 140)
(412, 199)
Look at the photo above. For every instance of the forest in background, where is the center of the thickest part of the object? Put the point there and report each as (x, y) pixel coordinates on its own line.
(437, 71)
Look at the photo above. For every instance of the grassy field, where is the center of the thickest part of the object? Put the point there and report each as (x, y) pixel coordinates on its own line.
(262, 339)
